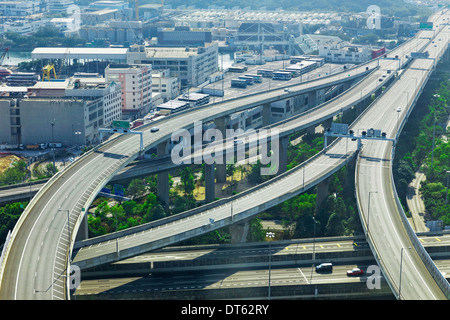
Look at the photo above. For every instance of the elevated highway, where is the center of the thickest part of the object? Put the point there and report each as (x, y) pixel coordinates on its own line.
(407, 267)
(40, 248)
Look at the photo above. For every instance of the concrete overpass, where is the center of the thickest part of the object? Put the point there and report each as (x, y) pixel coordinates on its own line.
(77, 191)
(394, 243)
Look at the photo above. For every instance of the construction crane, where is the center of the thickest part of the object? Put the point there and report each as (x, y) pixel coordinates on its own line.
(3, 55)
(47, 70)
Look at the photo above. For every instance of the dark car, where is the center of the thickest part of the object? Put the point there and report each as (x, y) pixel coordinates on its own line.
(324, 267)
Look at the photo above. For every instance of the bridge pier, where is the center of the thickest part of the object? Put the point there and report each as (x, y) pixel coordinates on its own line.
(221, 168)
(327, 124)
(209, 183)
(83, 231)
(283, 151)
(312, 99)
(163, 177)
(322, 192)
(266, 114)
(239, 232)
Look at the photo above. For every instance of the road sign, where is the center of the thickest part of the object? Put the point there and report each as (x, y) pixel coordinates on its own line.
(339, 128)
(118, 190)
(374, 133)
(426, 25)
(121, 124)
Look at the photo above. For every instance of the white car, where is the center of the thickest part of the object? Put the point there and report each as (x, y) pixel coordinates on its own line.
(154, 129)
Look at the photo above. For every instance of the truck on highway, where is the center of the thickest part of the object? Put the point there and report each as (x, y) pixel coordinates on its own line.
(9, 146)
(32, 146)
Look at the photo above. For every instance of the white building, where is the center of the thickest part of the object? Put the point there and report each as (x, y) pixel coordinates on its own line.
(59, 5)
(19, 8)
(344, 52)
(64, 24)
(136, 84)
(23, 27)
(165, 84)
(192, 66)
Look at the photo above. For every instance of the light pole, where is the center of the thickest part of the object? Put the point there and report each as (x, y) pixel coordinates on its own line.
(368, 211)
(314, 248)
(270, 235)
(68, 227)
(446, 194)
(400, 282)
(398, 116)
(53, 146)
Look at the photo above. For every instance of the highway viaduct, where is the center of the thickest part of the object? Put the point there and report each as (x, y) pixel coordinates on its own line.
(121, 160)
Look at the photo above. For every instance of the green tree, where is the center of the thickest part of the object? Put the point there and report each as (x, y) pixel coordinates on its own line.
(136, 188)
(187, 181)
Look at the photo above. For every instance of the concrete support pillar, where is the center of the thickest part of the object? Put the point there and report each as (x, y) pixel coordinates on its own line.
(83, 231)
(209, 183)
(163, 177)
(311, 129)
(282, 158)
(221, 169)
(322, 192)
(312, 99)
(346, 86)
(266, 115)
(327, 124)
(359, 108)
(239, 232)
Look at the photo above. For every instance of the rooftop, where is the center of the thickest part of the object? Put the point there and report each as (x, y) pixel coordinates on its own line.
(79, 53)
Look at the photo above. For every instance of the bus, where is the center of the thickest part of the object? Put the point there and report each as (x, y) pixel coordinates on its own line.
(249, 80)
(280, 75)
(237, 69)
(265, 73)
(256, 77)
(295, 72)
(238, 83)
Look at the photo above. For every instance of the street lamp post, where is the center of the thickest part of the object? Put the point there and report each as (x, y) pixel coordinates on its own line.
(53, 147)
(446, 194)
(270, 235)
(314, 248)
(400, 281)
(68, 225)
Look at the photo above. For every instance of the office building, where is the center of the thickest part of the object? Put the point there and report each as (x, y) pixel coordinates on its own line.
(77, 108)
(192, 66)
(136, 84)
(165, 84)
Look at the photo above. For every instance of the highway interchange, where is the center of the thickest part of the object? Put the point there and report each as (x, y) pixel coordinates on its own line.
(42, 276)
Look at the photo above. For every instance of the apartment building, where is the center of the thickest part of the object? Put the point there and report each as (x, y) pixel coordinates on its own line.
(136, 85)
(192, 66)
(19, 8)
(165, 84)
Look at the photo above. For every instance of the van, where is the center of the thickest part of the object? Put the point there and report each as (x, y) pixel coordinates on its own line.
(324, 267)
